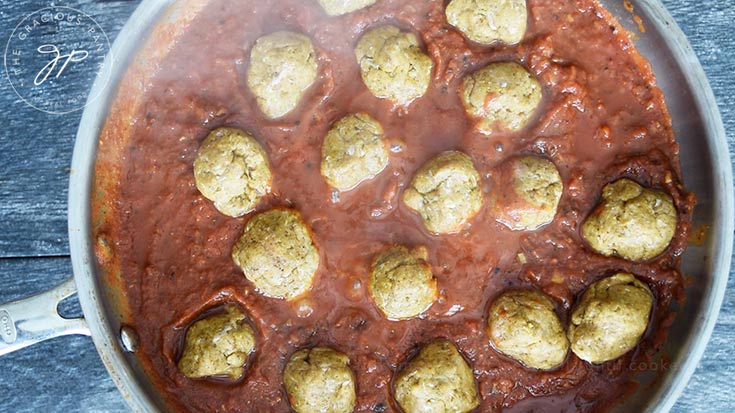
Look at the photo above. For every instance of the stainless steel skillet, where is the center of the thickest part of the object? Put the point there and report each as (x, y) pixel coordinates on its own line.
(156, 24)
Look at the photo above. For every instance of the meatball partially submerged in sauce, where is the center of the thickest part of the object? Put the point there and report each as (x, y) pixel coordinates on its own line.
(353, 151)
(231, 170)
(340, 7)
(445, 192)
(524, 326)
(392, 64)
(319, 380)
(437, 380)
(610, 318)
(488, 21)
(631, 221)
(282, 66)
(401, 282)
(277, 254)
(218, 345)
(501, 96)
(529, 193)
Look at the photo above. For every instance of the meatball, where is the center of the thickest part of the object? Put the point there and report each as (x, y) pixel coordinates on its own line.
(282, 66)
(502, 96)
(437, 380)
(218, 345)
(393, 65)
(530, 195)
(524, 326)
(610, 318)
(487, 21)
(319, 380)
(630, 221)
(445, 192)
(231, 170)
(353, 151)
(277, 254)
(401, 282)
(340, 7)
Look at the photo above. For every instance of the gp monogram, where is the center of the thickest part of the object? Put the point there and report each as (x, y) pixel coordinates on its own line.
(53, 56)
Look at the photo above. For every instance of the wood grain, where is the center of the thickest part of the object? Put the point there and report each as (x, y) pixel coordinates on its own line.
(36, 147)
(708, 25)
(61, 375)
(66, 374)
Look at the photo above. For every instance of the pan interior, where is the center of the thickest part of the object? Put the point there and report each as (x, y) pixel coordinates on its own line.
(703, 159)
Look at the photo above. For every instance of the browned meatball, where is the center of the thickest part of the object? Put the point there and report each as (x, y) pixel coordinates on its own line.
(340, 7)
(631, 221)
(392, 64)
(488, 21)
(231, 170)
(277, 254)
(446, 192)
(524, 326)
(319, 380)
(218, 345)
(527, 193)
(401, 282)
(502, 95)
(283, 65)
(610, 318)
(437, 380)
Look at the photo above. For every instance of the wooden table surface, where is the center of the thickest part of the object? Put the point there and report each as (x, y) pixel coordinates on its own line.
(66, 374)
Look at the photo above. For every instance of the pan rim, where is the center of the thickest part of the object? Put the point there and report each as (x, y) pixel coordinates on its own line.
(84, 264)
(675, 382)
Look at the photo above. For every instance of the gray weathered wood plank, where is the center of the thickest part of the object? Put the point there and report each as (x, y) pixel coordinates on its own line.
(708, 25)
(35, 152)
(35, 147)
(61, 375)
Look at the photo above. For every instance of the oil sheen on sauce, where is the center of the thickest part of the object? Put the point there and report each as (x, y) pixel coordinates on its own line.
(602, 118)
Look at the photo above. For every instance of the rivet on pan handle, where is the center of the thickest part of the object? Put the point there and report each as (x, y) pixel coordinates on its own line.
(34, 319)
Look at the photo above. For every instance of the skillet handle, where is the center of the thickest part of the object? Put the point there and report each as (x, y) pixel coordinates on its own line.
(34, 319)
